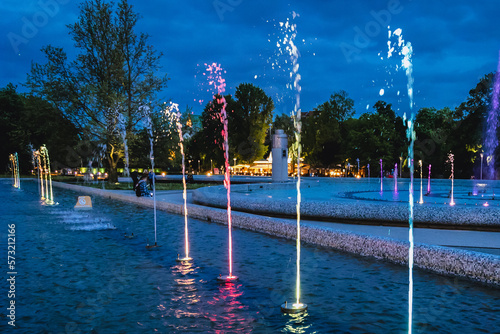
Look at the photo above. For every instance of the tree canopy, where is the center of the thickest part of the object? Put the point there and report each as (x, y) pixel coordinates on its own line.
(114, 73)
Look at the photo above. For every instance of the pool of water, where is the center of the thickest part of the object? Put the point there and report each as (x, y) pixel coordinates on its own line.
(78, 273)
(466, 192)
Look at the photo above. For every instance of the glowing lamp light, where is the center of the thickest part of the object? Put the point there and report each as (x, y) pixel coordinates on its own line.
(486, 204)
(163, 174)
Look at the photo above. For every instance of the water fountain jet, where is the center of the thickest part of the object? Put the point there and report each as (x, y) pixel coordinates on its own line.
(15, 170)
(296, 307)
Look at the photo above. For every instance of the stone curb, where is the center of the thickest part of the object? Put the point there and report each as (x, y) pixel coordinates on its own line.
(478, 267)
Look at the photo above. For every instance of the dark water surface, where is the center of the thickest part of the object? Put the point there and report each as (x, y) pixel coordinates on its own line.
(77, 273)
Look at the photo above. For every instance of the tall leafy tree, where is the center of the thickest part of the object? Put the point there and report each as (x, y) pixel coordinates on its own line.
(114, 72)
(28, 122)
(250, 114)
(323, 130)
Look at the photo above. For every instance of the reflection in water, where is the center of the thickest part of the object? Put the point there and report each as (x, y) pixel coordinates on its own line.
(227, 312)
(296, 323)
(184, 300)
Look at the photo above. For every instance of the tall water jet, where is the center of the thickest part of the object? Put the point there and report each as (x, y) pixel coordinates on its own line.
(49, 196)
(451, 159)
(174, 109)
(381, 177)
(215, 78)
(38, 160)
(429, 181)
(122, 127)
(491, 140)
(406, 51)
(396, 178)
(421, 200)
(152, 158)
(14, 160)
(293, 51)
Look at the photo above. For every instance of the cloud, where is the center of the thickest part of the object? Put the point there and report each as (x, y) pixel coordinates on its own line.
(454, 46)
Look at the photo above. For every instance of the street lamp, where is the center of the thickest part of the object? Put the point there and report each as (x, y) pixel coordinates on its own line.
(481, 165)
(234, 166)
(199, 170)
(211, 167)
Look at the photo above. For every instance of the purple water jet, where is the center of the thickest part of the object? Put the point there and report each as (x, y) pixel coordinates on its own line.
(491, 140)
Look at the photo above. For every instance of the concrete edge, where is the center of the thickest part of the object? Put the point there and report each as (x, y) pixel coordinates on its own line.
(477, 267)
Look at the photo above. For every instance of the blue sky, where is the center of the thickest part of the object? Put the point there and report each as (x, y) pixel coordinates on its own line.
(341, 44)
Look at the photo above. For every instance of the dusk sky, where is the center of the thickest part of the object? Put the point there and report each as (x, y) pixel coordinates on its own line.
(341, 44)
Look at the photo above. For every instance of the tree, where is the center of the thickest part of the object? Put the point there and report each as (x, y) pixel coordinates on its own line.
(112, 74)
(323, 130)
(249, 117)
(28, 122)
(210, 139)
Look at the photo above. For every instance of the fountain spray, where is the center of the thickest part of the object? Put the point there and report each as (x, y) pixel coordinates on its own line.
(152, 158)
(429, 181)
(123, 133)
(396, 178)
(215, 72)
(174, 108)
(293, 51)
(451, 159)
(421, 201)
(491, 140)
(15, 170)
(381, 177)
(406, 51)
(49, 196)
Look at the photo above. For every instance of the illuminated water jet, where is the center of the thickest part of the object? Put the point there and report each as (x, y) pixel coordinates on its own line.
(381, 177)
(406, 51)
(429, 181)
(451, 158)
(123, 133)
(396, 178)
(293, 51)
(48, 196)
(421, 200)
(152, 158)
(14, 160)
(492, 123)
(215, 78)
(174, 109)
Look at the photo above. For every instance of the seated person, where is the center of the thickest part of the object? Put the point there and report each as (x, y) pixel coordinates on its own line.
(141, 189)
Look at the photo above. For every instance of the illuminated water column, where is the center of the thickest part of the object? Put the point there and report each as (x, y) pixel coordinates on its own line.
(186, 257)
(298, 306)
(381, 177)
(405, 50)
(49, 196)
(451, 159)
(421, 200)
(215, 78)
(152, 158)
(396, 178)
(14, 160)
(429, 181)
(492, 124)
